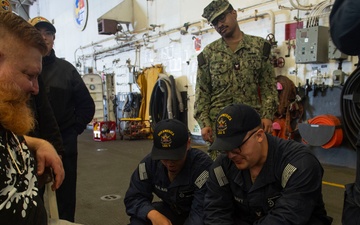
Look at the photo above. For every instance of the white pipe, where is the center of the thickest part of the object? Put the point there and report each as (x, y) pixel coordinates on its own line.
(267, 12)
(272, 19)
(98, 42)
(300, 7)
(270, 13)
(252, 6)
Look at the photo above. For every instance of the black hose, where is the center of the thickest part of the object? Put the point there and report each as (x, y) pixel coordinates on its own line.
(158, 102)
(163, 99)
(175, 103)
(350, 107)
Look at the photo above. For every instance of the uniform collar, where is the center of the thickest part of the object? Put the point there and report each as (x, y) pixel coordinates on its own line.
(50, 58)
(244, 43)
(267, 173)
(184, 177)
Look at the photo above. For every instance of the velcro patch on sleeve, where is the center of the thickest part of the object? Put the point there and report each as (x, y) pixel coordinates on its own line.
(202, 178)
(220, 176)
(142, 171)
(201, 59)
(287, 173)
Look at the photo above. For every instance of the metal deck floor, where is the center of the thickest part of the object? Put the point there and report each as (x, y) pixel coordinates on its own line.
(104, 170)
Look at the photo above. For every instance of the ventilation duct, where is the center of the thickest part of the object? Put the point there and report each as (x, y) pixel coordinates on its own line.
(106, 26)
(112, 21)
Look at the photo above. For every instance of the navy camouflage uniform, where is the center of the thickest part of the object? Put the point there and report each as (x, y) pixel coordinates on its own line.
(182, 199)
(243, 76)
(287, 190)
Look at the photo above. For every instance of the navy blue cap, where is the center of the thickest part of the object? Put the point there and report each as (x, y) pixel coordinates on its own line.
(232, 125)
(170, 140)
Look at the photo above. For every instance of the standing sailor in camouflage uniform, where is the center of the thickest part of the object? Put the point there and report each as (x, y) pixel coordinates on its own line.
(233, 69)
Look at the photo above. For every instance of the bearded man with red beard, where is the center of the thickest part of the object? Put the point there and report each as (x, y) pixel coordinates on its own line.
(21, 157)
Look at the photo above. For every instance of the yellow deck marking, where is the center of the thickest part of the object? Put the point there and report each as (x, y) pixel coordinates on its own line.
(333, 184)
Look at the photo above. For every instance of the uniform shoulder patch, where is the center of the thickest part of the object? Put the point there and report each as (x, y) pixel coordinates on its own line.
(220, 176)
(202, 178)
(142, 172)
(287, 173)
(201, 59)
(266, 50)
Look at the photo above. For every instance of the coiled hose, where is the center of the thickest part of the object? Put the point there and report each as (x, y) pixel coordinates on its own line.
(350, 107)
(329, 120)
(165, 101)
(159, 102)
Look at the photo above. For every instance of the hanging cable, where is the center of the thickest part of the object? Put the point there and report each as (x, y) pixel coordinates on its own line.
(159, 102)
(165, 101)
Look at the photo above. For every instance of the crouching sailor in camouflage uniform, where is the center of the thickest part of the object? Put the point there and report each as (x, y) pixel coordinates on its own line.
(233, 69)
(259, 178)
(173, 171)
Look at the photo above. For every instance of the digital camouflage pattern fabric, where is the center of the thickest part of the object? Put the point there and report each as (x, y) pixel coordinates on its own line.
(225, 77)
(214, 9)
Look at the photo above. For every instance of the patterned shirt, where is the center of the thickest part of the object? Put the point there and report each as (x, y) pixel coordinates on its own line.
(20, 202)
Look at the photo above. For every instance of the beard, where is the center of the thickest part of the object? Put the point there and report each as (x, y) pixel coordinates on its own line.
(15, 114)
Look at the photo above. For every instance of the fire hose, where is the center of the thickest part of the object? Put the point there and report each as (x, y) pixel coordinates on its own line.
(329, 120)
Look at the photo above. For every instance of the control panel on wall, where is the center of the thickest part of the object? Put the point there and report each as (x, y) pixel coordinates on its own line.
(312, 45)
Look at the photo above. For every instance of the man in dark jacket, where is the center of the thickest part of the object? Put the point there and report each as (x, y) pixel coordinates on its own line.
(73, 107)
(46, 126)
(259, 178)
(173, 171)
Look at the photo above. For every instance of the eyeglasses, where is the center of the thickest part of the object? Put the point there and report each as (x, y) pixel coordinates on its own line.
(221, 18)
(47, 33)
(238, 149)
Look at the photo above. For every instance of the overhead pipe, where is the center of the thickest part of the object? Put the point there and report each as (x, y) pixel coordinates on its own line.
(137, 32)
(252, 6)
(300, 7)
(270, 13)
(92, 44)
(97, 42)
(129, 43)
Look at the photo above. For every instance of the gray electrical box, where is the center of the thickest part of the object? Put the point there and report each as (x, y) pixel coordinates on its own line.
(312, 45)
